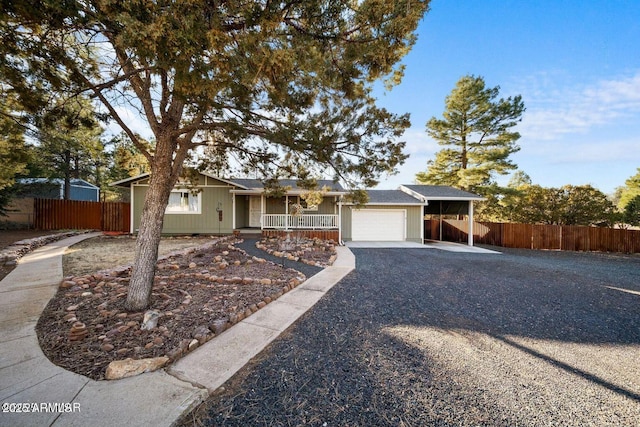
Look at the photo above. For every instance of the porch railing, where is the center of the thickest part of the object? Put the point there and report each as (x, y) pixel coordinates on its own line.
(309, 222)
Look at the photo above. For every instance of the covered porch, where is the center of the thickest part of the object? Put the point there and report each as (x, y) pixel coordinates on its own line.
(256, 211)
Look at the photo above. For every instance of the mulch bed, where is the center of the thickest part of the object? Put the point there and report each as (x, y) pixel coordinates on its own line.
(197, 295)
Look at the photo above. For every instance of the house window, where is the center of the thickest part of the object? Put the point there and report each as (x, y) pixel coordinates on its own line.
(306, 207)
(184, 202)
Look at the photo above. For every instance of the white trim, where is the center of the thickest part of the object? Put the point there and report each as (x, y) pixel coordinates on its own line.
(387, 204)
(422, 225)
(456, 199)
(233, 209)
(131, 179)
(145, 175)
(470, 237)
(199, 203)
(304, 221)
(131, 218)
(185, 186)
(417, 195)
(288, 193)
(413, 194)
(339, 221)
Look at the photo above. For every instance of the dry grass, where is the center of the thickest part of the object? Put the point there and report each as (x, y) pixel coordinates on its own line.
(104, 252)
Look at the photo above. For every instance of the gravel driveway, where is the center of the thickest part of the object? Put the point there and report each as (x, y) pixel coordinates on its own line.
(417, 337)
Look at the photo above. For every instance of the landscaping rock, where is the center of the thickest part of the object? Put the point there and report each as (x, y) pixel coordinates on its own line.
(150, 320)
(130, 367)
(190, 304)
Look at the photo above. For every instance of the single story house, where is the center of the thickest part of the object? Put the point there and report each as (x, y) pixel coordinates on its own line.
(53, 188)
(223, 206)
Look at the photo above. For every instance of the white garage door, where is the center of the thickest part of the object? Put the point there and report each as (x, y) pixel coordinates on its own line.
(378, 225)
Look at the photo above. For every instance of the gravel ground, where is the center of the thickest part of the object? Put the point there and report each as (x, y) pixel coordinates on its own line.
(418, 337)
(249, 246)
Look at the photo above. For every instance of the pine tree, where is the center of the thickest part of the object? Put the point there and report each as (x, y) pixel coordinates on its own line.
(476, 133)
(253, 78)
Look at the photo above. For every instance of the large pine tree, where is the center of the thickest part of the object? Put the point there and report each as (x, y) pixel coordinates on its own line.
(259, 79)
(476, 134)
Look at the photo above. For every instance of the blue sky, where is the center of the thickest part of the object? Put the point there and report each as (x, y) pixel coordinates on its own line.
(575, 63)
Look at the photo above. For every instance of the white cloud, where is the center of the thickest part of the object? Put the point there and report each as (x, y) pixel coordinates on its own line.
(591, 150)
(419, 143)
(555, 111)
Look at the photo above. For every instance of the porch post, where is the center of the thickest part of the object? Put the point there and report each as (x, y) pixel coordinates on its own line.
(470, 222)
(286, 212)
(261, 210)
(422, 224)
(233, 212)
(131, 217)
(339, 219)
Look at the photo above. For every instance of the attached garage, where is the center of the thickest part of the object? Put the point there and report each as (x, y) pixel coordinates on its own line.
(389, 216)
(379, 225)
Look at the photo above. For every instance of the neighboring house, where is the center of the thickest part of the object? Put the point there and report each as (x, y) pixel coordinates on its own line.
(53, 188)
(223, 206)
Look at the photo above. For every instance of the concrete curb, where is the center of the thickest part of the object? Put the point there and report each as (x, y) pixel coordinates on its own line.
(49, 395)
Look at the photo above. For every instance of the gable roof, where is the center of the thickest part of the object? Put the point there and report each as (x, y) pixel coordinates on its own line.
(127, 181)
(391, 197)
(256, 184)
(248, 184)
(438, 192)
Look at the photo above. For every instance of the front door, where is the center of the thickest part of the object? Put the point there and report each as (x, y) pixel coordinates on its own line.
(255, 211)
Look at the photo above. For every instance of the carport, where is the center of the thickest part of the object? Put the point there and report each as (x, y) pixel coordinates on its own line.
(443, 208)
(443, 200)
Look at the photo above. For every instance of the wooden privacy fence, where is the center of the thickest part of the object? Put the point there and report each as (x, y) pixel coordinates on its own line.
(52, 214)
(529, 236)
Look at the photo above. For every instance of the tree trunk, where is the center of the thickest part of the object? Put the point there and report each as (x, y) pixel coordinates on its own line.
(148, 239)
(67, 175)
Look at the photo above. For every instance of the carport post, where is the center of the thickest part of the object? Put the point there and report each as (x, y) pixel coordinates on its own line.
(470, 222)
(340, 220)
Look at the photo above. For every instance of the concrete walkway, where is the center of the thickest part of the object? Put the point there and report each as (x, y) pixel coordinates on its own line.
(51, 396)
(443, 246)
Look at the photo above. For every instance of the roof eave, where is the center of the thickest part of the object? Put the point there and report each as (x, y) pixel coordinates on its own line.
(448, 198)
(129, 180)
(385, 204)
(259, 191)
(457, 199)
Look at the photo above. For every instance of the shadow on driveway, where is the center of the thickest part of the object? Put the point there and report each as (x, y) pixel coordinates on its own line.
(424, 337)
